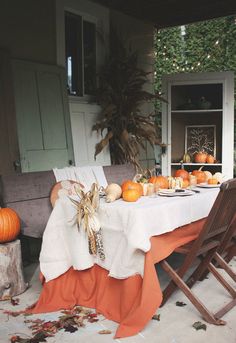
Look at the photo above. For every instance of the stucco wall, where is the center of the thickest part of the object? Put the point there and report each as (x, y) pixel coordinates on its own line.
(28, 29)
(138, 36)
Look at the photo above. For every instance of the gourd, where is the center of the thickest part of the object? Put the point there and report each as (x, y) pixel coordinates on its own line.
(113, 192)
(147, 188)
(128, 184)
(192, 180)
(186, 158)
(182, 173)
(131, 195)
(200, 157)
(185, 183)
(9, 225)
(208, 175)
(218, 176)
(175, 182)
(162, 181)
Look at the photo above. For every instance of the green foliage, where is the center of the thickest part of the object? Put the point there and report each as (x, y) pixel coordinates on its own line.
(204, 46)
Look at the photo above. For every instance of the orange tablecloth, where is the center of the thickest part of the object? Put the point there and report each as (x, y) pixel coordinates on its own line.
(131, 302)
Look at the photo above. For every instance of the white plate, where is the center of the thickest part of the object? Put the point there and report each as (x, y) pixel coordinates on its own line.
(206, 185)
(175, 194)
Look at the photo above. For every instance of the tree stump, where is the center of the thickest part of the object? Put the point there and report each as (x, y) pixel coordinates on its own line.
(11, 273)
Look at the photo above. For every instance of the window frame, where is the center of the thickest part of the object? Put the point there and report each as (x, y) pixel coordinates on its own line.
(61, 52)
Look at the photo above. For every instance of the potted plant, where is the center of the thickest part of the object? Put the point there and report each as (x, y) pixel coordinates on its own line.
(120, 95)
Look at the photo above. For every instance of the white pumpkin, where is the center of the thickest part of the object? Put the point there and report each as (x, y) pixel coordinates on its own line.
(113, 192)
(208, 175)
(218, 176)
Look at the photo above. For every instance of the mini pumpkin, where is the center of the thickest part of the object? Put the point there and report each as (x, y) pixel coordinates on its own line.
(212, 181)
(162, 181)
(9, 225)
(182, 173)
(200, 175)
(185, 183)
(210, 159)
(128, 184)
(200, 157)
(131, 195)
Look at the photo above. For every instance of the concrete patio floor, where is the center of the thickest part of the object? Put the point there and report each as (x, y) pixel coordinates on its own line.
(175, 325)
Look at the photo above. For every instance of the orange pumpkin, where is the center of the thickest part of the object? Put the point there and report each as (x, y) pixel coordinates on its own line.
(9, 225)
(128, 184)
(185, 183)
(200, 175)
(162, 181)
(131, 195)
(182, 173)
(200, 157)
(210, 159)
(212, 181)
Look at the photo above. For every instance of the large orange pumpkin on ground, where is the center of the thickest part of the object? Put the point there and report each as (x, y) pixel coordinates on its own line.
(200, 175)
(182, 173)
(162, 181)
(131, 195)
(128, 184)
(9, 225)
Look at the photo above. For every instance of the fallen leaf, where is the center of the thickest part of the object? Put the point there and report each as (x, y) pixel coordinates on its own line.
(180, 303)
(199, 326)
(70, 328)
(39, 337)
(156, 317)
(15, 301)
(104, 332)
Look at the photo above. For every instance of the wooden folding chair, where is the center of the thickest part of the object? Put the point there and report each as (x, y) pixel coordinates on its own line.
(212, 240)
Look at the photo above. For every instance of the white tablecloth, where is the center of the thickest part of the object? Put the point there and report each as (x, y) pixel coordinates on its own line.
(126, 229)
(86, 175)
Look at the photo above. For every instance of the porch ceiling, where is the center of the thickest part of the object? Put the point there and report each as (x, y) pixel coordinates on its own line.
(166, 13)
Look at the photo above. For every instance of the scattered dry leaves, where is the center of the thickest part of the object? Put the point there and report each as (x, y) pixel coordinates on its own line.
(199, 326)
(104, 332)
(70, 321)
(180, 303)
(156, 317)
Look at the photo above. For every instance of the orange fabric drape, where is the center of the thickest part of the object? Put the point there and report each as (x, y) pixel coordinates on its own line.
(131, 302)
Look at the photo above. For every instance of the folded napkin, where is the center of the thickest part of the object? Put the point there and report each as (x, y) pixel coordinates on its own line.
(85, 175)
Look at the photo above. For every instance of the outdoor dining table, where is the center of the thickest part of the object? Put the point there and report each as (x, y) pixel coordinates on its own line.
(125, 286)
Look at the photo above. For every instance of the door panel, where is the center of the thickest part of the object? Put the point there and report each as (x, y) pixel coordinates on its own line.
(53, 125)
(42, 116)
(28, 111)
(83, 117)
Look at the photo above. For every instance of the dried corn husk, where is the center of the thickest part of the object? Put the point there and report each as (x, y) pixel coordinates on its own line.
(87, 218)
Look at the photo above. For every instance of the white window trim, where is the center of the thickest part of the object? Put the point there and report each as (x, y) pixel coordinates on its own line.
(91, 12)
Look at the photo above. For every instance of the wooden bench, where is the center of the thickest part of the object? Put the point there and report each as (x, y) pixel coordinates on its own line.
(29, 195)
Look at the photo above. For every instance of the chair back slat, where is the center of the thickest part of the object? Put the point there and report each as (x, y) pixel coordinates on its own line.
(220, 216)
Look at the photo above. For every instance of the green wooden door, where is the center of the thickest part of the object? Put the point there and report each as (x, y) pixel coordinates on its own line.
(42, 114)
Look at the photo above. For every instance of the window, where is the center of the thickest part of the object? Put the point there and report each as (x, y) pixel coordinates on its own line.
(80, 45)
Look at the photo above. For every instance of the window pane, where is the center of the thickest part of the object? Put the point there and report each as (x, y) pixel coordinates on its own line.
(73, 43)
(89, 41)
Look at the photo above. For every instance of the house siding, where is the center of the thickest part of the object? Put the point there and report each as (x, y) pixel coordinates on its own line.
(28, 30)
